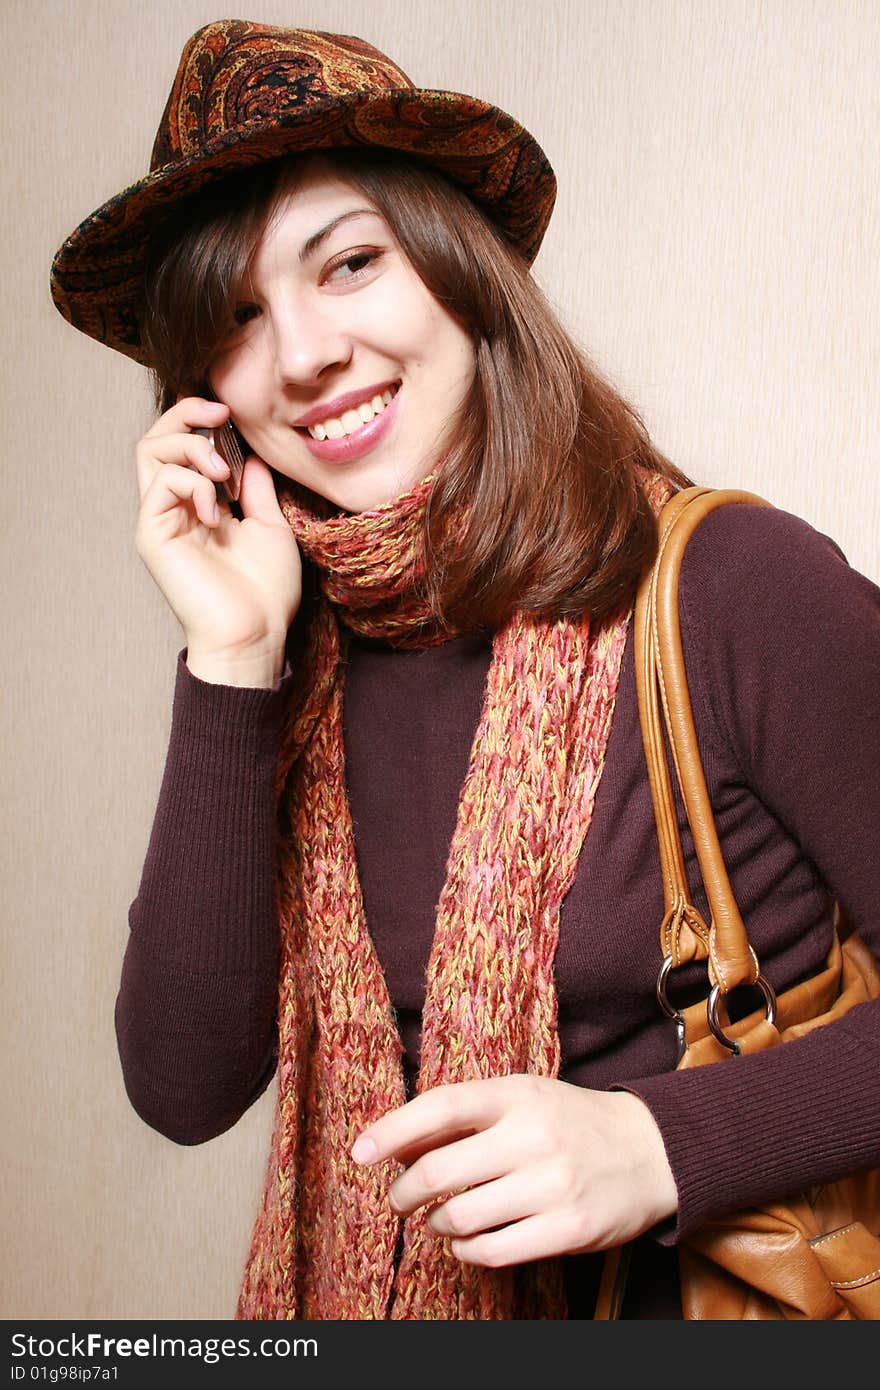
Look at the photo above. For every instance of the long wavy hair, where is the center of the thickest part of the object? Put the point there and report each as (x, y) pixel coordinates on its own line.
(547, 456)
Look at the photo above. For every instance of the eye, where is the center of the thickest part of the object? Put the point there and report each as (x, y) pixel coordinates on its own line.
(243, 313)
(352, 265)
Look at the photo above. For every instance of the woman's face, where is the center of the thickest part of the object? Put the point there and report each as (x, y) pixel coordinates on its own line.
(345, 373)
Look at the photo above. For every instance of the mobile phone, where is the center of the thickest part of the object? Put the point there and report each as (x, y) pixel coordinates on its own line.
(233, 448)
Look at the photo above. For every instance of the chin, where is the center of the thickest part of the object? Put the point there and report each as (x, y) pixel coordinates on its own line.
(366, 494)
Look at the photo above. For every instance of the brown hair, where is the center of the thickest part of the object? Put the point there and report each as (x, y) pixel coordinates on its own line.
(547, 454)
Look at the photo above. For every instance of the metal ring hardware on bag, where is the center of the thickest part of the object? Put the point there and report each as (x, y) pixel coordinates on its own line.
(669, 1009)
(712, 1012)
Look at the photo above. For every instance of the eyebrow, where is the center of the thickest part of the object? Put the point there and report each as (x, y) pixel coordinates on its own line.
(310, 247)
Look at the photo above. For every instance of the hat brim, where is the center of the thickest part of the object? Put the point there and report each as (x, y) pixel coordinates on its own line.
(97, 274)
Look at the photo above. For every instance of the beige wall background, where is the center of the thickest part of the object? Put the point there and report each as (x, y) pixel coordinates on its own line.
(715, 247)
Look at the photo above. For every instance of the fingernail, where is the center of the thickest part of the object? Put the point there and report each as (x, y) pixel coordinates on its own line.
(218, 462)
(364, 1150)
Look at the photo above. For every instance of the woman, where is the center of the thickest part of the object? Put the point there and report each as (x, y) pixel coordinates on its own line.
(407, 698)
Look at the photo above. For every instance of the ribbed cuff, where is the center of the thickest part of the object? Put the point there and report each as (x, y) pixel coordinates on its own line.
(202, 709)
(752, 1129)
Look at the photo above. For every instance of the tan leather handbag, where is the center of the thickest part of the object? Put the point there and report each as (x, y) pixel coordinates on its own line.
(815, 1255)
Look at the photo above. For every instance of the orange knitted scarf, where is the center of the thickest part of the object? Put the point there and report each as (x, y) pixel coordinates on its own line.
(325, 1238)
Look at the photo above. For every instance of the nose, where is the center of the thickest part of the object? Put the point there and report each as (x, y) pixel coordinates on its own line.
(307, 341)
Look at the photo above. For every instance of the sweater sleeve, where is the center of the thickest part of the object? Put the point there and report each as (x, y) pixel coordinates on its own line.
(785, 638)
(196, 1009)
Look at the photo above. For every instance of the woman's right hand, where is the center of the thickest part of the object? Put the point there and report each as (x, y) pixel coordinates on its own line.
(234, 585)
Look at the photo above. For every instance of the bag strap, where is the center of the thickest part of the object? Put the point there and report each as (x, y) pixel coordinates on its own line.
(665, 712)
(664, 701)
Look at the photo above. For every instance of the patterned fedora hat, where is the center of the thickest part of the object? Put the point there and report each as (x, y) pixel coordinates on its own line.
(246, 93)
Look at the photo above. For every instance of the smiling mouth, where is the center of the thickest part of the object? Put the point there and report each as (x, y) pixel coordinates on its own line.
(352, 420)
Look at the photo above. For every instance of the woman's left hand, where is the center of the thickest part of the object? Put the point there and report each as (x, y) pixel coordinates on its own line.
(556, 1168)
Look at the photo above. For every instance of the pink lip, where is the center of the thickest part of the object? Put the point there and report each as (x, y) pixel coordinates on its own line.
(354, 446)
(331, 410)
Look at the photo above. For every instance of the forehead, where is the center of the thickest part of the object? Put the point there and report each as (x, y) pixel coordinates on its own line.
(305, 206)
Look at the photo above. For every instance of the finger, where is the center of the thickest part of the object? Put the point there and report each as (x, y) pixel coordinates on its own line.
(188, 450)
(451, 1167)
(173, 485)
(538, 1237)
(408, 1154)
(510, 1198)
(436, 1116)
(187, 413)
(257, 497)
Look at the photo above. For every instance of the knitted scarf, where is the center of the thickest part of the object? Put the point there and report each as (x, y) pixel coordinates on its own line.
(325, 1240)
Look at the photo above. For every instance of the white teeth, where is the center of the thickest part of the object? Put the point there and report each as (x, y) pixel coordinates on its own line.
(352, 420)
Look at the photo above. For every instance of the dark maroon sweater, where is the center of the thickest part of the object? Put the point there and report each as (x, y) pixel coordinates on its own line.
(783, 645)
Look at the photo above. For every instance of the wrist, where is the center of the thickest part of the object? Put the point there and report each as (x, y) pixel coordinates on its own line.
(657, 1180)
(254, 668)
